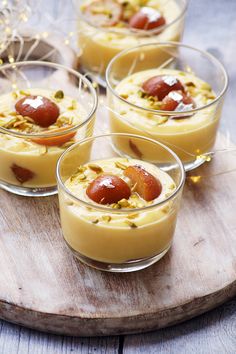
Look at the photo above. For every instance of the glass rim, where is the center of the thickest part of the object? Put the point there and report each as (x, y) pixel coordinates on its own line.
(161, 112)
(65, 131)
(108, 209)
(144, 33)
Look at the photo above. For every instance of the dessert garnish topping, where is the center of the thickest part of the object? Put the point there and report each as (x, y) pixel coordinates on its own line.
(43, 111)
(59, 95)
(95, 168)
(55, 140)
(177, 100)
(147, 186)
(146, 18)
(120, 165)
(103, 13)
(108, 189)
(22, 174)
(131, 224)
(159, 86)
(106, 218)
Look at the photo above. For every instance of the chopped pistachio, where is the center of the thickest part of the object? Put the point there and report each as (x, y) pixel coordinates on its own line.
(210, 95)
(131, 224)
(59, 95)
(142, 94)
(162, 120)
(80, 169)
(172, 186)
(106, 218)
(73, 105)
(115, 206)
(190, 84)
(69, 203)
(14, 95)
(95, 221)
(120, 165)
(62, 121)
(95, 168)
(182, 73)
(82, 177)
(22, 92)
(152, 99)
(206, 86)
(124, 203)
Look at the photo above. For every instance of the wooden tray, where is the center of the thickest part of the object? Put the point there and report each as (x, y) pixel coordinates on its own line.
(43, 287)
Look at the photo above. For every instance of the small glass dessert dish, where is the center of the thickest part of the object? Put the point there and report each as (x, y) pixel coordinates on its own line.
(42, 112)
(177, 101)
(119, 209)
(106, 27)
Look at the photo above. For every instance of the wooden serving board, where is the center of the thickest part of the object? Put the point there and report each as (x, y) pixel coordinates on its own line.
(42, 286)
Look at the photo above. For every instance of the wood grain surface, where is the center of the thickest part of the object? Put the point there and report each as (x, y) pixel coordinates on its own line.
(213, 332)
(44, 287)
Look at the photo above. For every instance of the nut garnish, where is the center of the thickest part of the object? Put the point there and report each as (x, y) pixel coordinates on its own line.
(124, 95)
(59, 95)
(62, 121)
(82, 177)
(95, 221)
(14, 95)
(131, 224)
(80, 169)
(190, 84)
(22, 92)
(124, 203)
(95, 168)
(106, 218)
(115, 206)
(120, 165)
(73, 105)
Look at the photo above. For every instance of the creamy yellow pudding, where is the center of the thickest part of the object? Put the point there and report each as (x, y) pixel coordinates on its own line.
(121, 233)
(188, 136)
(109, 36)
(31, 162)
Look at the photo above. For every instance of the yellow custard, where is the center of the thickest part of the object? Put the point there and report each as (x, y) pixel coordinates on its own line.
(121, 233)
(188, 137)
(107, 42)
(39, 159)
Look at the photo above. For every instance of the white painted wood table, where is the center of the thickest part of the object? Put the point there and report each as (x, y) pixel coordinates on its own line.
(210, 25)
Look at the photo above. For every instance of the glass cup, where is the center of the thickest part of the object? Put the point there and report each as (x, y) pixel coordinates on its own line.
(107, 42)
(190, 133)
(28, 158)
(104, 236)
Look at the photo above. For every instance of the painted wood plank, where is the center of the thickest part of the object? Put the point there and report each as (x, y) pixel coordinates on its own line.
(18, 340)
(211, 333)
